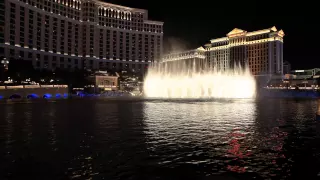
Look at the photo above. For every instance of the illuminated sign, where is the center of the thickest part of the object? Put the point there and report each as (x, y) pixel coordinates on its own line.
(299, 71)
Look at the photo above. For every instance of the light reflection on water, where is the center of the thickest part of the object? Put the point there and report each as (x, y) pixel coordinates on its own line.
(164, 139)
(214, 129)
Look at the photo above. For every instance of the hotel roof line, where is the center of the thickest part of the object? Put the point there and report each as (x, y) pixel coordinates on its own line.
(117, 6)
(153, 22)
(127, 9)
(239, 31)
(186, 51)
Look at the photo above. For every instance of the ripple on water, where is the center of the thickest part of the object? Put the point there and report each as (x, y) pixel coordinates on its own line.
(244, 139)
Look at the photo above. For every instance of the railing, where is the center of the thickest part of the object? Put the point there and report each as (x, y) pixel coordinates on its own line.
(32, 86)
(106, 86)
(292, 88)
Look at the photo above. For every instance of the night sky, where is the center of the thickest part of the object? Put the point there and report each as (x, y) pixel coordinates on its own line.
(190, 24)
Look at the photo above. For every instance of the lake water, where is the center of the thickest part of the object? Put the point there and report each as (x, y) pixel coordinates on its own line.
(159, 139)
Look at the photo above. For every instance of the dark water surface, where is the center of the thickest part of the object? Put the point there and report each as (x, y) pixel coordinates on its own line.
(154, 139)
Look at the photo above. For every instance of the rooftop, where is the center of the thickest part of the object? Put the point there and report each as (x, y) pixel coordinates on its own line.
(117, 6)
(240, 32)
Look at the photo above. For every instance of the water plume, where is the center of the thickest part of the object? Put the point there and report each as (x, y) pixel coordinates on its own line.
(198, 80)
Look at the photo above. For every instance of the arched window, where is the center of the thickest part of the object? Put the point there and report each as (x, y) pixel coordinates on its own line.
(113, 14)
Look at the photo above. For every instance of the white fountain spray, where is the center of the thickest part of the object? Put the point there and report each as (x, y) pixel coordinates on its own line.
(177, 81)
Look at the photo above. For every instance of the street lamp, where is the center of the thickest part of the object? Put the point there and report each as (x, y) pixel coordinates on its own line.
(5, 63)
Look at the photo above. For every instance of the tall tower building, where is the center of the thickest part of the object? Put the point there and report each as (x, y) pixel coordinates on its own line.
(78, 34)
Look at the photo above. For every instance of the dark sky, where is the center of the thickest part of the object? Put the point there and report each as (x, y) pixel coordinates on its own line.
(190, 24)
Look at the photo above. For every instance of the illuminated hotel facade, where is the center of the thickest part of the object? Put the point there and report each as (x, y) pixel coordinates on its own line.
(193, 59)
(261, 50)
(78, 34)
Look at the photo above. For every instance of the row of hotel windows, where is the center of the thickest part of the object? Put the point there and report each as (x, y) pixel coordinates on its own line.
(242, 40)
(124, 46)
(249, 47)
(89, 65)
(118, 14)
(252, 61)
(225, 57)
(258, 46)
(130, 25)
(257, 37)
(39, 20)
(262, 61)
(75, 63)
(76, 4)
(2, 12)
(114, 13)
(187, 55)
(255, 69)
(255, 47)
(57, 9)
(117, 23)
(58, 59)
(223, 43)
(71, 38)
(118, 55)
(72, 10)
(34, 26)
(89, 11)
(249, 54)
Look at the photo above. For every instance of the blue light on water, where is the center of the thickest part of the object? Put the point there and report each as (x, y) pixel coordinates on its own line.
(65, 95)
(58, 95)
(32, 96)
(15, 96)
(1, 97)
(47, 96)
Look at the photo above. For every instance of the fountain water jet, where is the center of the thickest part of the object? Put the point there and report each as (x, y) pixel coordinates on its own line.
(191, 80)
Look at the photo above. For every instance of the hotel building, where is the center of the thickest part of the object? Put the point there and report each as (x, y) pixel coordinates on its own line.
(193, 59)
(261, 50)
(78, 34)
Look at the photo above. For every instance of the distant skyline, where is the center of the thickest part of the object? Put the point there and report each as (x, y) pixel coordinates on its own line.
(190, 24)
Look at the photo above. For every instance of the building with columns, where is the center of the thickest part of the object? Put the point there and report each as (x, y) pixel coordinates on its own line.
(180, 61)
(79, 34)
(261, 51)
